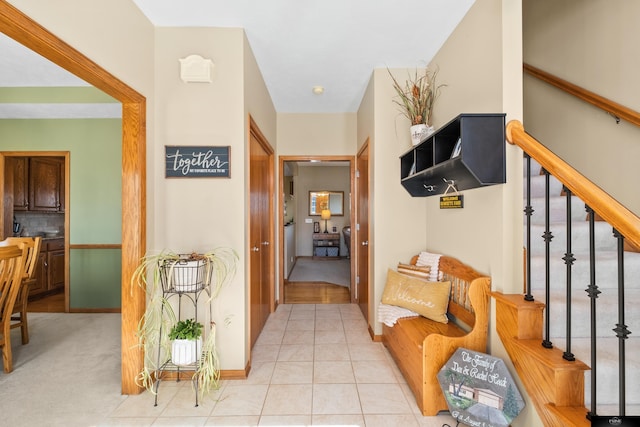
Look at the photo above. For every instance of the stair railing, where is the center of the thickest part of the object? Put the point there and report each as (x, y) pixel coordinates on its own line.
(626, 225)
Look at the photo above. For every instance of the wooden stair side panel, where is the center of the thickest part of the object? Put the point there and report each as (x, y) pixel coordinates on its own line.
(555, 385)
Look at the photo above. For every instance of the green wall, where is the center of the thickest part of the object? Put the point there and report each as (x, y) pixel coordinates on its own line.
(95, 147)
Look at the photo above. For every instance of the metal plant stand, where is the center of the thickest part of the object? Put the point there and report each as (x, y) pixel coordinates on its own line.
(183, 281)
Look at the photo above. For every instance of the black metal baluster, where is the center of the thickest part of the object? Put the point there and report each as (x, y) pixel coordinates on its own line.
(528, 211)
(547, 237)
(593, 292)
(568, 260)
(621, 330)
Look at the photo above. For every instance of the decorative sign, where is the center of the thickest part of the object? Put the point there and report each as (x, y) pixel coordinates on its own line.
(197, 162)
(479, 389)
(452, 202)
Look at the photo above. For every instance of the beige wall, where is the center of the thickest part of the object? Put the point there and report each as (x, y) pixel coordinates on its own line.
(201, 214)
(316, 134)
(593, 45)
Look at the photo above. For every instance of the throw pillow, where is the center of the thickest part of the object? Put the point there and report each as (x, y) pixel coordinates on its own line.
(421, 271)
(429, 299)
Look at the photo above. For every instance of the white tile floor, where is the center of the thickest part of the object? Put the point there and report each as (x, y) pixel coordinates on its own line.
(312, 365)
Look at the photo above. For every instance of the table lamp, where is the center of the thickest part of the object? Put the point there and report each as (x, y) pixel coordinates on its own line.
(326, 215)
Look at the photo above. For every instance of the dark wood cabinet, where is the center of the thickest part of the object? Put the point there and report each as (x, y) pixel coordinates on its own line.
(468, 152)
(40, 284)
(38, 184)
(55, 260)
(49, 273)
(46, 184)
(20, 183)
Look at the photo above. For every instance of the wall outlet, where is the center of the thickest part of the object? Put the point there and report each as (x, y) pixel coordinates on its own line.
(308, 220)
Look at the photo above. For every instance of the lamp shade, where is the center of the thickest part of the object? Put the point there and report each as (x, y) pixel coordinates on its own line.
(325, 214)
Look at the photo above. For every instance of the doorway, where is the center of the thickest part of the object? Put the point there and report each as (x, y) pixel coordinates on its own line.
(261, 271)
(24, 30)
(306, 252)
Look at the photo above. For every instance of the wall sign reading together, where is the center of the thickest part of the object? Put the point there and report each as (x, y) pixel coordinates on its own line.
(182, 161)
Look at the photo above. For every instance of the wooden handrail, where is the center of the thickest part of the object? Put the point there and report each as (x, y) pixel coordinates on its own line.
(618, 216)
(613, 108)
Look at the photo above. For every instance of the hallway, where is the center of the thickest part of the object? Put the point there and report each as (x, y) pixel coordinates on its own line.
(312, 365)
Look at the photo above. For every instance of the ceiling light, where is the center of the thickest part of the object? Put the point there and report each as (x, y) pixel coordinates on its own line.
(318, 90)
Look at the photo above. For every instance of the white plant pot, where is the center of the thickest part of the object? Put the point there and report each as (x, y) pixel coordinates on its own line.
(188, 276)
(185, 352)
(420, 132)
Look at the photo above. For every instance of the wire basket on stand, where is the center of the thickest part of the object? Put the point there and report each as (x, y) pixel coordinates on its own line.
(186, 274)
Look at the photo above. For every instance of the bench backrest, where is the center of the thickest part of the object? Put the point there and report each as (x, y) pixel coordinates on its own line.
(461, 277)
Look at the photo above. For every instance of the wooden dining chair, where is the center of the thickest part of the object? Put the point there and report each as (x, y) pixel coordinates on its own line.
(11, 267)
(19, 313)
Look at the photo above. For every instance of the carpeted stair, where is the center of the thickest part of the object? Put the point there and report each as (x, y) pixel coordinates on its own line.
(607, 302)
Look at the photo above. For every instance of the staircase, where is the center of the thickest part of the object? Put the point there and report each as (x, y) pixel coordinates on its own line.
(561, 389)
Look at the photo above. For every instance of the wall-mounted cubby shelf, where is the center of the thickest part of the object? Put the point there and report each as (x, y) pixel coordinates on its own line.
(469, 150)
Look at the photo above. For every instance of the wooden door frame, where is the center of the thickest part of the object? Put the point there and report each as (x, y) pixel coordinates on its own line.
(29, 33)
(358, 248)
(65, 155)
(281, 195)
(254, 131)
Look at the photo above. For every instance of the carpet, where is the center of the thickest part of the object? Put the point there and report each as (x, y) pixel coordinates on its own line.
(337, 272)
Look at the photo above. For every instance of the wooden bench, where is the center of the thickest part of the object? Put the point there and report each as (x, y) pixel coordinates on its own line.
(421, 346)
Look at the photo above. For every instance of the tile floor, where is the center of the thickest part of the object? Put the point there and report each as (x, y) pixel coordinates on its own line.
(313, 364)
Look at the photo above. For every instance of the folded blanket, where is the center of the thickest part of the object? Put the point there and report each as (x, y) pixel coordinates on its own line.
(389, 314)
(433, 261)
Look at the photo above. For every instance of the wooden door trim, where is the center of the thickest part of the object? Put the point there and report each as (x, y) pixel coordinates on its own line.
(254, 131)
(363, 148)
(281, 193)
(24, 30)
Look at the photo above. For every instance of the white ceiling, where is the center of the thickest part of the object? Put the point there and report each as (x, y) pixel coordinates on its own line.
(297, 44)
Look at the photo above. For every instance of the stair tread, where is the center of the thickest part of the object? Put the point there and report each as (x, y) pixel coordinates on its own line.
(571, 415)
(550, 357)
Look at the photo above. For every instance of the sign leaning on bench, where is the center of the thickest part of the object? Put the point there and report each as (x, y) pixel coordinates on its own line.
(183, 161)
(479, 389)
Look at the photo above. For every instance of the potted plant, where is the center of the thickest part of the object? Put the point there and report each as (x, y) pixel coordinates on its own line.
(186, 342)
(164, 275)
(416, 99)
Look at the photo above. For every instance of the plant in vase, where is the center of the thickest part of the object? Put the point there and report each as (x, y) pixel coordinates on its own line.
(416, 99)
(166, 274)
(186, 342)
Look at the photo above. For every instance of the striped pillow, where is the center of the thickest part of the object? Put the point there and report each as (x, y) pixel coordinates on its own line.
(419, 271)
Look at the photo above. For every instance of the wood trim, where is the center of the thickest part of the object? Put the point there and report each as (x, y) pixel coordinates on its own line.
(96, 246)
(618, 216)
(613, 108)
(24, 30)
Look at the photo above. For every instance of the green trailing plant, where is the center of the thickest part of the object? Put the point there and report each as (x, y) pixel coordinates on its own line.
(187, 329)
(155, 327)
(417, 96)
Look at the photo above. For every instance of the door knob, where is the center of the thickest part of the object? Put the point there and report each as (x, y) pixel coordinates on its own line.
(265, 243)
(255, 249)
(365, 243)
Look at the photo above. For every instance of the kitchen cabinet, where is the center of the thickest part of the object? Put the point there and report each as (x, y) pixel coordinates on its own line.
(20, 183)
(38, 184)
(49, 273)
(46, 184)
